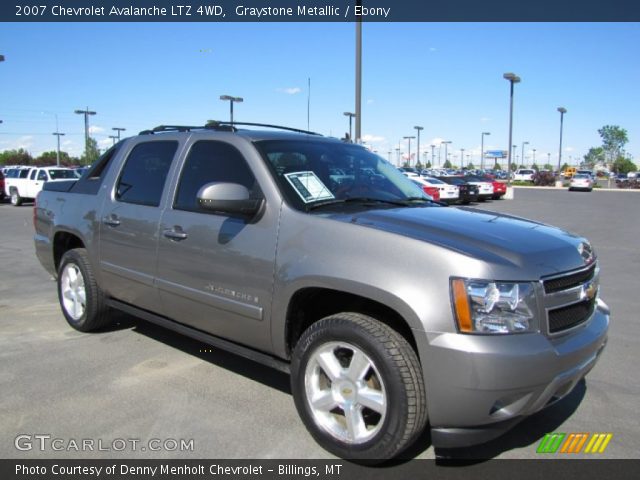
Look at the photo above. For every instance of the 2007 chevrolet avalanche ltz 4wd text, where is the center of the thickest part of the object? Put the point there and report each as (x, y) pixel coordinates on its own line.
(291, 249)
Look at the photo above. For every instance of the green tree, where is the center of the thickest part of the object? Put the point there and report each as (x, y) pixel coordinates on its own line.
(564, 167)
(497, 166)
(50, 158)
(16, 157)
(594, 155)
(624, 165)
(548, 166)
(91, 153)
(535, 167)
(614, 139)
(471, 166)
(419, 166)
(514, 167)
(427, 165)
(447, 164)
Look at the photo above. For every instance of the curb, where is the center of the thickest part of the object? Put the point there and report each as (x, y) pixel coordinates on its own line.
(566, 188)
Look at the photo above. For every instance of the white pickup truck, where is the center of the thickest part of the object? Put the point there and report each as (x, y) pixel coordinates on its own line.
(28, 183)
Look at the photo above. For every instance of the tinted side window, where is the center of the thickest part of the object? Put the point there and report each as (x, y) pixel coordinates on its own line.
(211, 161)
(42, 175)
(144, 173)
(32, 176)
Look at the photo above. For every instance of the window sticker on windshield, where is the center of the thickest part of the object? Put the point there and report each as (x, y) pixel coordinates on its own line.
(308, 186)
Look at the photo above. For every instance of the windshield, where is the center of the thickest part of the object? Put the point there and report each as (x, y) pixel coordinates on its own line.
(310, 173)
(59, 174)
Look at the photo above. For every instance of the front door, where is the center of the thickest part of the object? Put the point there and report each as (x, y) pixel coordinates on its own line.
(215, 272)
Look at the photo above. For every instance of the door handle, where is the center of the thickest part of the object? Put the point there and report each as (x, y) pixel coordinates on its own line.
(111, 220)
(175, 233)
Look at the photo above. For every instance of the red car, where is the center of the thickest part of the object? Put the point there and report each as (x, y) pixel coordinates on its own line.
(499, 188)
(433, 192)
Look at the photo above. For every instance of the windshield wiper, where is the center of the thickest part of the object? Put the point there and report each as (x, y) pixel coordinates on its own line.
(399, 203)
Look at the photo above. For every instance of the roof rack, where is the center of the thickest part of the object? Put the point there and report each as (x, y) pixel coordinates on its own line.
(221, 127)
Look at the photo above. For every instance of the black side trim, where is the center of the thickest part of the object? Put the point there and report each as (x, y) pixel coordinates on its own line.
(259, 357)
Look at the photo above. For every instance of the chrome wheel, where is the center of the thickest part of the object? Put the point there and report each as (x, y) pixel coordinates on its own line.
(73, 291)
(345, 392)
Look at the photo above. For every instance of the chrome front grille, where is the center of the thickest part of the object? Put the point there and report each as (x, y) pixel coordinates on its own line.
(570, 299)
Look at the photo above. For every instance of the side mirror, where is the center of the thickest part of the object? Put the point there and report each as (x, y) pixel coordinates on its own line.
(229, 198)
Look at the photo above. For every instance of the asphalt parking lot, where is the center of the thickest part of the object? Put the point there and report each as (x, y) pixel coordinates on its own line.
(138, 381)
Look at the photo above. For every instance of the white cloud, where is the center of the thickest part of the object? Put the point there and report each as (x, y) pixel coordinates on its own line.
(105, 143)
(436, 141)
(373, 138)
(569, 149)
(433, 49)
(95, 129)
(484, 119)
(370, 101)
(290, 90)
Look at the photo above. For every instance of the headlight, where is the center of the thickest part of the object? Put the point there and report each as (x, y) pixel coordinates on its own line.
(483, 306)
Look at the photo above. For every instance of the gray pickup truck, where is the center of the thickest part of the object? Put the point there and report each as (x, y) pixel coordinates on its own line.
(390, 311)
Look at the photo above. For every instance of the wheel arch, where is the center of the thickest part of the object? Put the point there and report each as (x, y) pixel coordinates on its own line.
(63, 241)
(311, 304)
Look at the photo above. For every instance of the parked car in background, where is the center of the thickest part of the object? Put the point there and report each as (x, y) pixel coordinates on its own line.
(468, 192)
(448, 193)
(485, 187)
(581, 181)
(586, 172)
(524, 175)
(2, 194)
(29, 181)
(499, 188)
(432, 191)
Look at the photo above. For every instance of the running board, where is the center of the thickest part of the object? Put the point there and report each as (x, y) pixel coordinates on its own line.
(203, 337)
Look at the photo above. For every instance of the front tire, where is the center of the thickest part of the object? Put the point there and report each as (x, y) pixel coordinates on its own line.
(357, 385)
(81, 299)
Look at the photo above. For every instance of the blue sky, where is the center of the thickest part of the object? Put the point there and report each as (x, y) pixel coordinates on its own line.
(446, 77)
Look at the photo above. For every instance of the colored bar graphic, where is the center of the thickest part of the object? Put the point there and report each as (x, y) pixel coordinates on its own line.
(550, 442)
(574, 443)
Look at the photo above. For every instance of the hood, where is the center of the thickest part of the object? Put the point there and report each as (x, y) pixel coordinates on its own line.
(493, 237)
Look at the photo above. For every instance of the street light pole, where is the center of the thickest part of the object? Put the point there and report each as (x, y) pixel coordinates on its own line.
(58, 134)
(358, 75)
(512, 78)
(482, 149)
(534, 156)
(118, 130)
(409, 142)
(231, 101)
(114, 138)
(446, 155)
(522, 154)
(562, 111)
(86, 112)
(462, 158)
(418, 151)
(350, 115)
(433, 158)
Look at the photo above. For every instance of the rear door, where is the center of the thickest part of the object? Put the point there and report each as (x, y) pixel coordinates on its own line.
(215, 271)
(129, 223)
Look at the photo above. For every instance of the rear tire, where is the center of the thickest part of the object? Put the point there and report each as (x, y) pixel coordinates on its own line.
(357, 385)
(16, 199)
(81, 299)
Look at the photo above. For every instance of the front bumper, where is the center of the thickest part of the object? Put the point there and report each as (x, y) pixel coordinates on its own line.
(480, 386)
